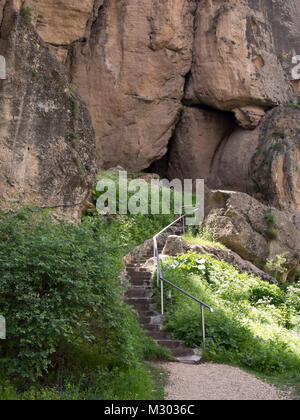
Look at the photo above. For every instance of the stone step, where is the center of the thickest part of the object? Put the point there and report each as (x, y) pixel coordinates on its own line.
(153, 320)
(137, 292)
(151, 327)
(138, 288)
(141, 283)
(189, 360)
(182, 352)
(171, 344)
(151, 313)
(159, 335)
(141, 306)
(139, 261)
(140, 276)
(136, 269)
(139, 301)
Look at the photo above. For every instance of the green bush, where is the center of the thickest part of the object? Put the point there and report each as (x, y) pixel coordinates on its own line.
(27, 14)
(62, 297)
(58, 285)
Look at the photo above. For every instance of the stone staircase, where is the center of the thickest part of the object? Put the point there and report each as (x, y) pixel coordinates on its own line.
(140, 296)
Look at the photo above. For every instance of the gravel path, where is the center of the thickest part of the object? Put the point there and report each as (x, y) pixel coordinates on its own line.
(216, 382)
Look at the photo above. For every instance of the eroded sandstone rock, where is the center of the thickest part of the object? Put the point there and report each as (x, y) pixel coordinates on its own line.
(241, 223)
(129, 59)
(236, 63)
(175, 245)
(46, 137)
(131, 72)
(275, 165)
(197, 137)
(60, 23)
(231, 167)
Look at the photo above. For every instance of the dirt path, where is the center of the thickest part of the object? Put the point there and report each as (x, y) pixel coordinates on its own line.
(216, 382)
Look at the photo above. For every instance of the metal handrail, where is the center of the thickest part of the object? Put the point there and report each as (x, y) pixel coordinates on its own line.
(162, 280)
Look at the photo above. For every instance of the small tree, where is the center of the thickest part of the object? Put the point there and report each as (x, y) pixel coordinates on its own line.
(276, 266)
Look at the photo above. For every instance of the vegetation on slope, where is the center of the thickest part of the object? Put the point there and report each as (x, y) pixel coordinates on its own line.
(254, 325)
(205, 237)
(69, 333)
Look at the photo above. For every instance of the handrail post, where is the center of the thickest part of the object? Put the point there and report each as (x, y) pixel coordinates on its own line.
(203, 325)
(162, 297)
(162, 280)
(158, 277)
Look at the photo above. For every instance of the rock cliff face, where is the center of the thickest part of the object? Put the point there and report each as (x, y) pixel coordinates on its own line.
(198, 88)
(135, 62)
(243, 225)
(275, 166)
(47, 140)
(253, 79)
(128, 61)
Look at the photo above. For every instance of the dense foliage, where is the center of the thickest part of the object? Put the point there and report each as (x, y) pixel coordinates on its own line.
(254, 324)
(62, 296)
(58, 287)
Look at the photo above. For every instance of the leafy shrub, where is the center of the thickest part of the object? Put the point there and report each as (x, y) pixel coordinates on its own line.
(58, 284)
(276, 267)
(26, 13)
(271, 292)
(293, 296)
(62, 298)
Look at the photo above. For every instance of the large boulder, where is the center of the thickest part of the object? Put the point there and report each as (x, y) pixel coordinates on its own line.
(129, 60)
(47, 143)
(231, 166)
(240, 52)
(264, 162)
(254, 231)
(197, 137)
(275, 166)
(175, 245)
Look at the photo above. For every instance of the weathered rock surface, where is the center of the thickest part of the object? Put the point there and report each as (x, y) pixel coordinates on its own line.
(263, 162)
(231, 166)
(236, 65)
(129, 60)
(47, 141)
(60, 23)
(240, 223)
(197, 137)
(131, 72)
(275, 167)
(175, 245)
